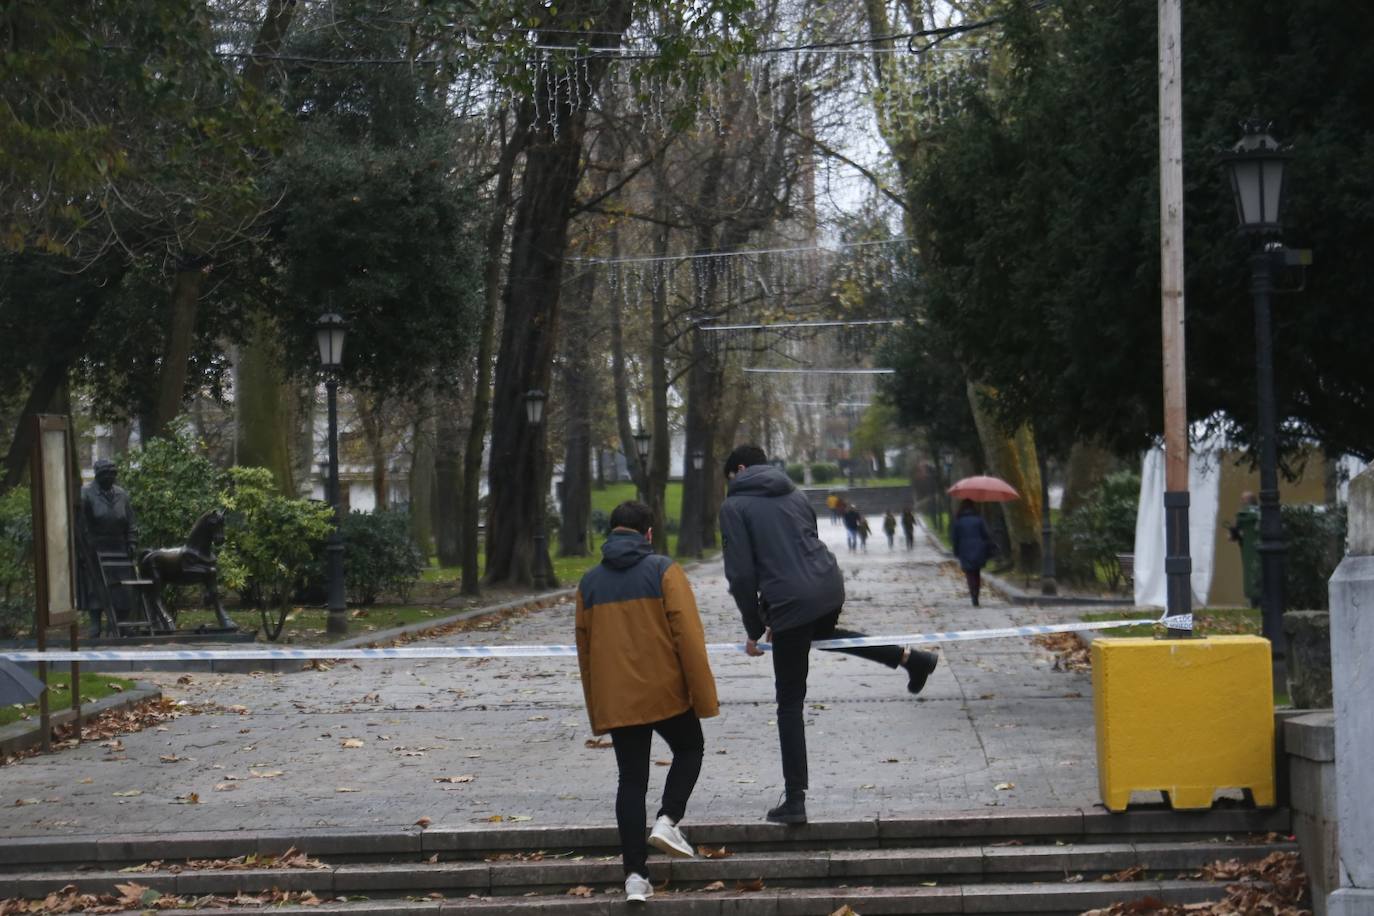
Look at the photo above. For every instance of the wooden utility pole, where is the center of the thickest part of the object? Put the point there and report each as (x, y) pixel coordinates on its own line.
(1178, 562)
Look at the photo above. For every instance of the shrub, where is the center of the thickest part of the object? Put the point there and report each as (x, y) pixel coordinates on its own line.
(270, 539)
(379, 555)
(824, 472)
(1315, 537)
(1102, 527)
(16, 563)
(171, 484)
(796, 472)
(601, 522)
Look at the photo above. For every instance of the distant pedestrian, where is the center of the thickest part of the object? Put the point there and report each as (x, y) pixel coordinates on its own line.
(973, 545)
(836, 507)
(890, 528)
(864, 532)
(642, 655)
(852, 518)
(789, 589)
(909, 527)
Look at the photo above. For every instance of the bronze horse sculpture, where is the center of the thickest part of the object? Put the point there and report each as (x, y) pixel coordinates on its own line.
(193, 563)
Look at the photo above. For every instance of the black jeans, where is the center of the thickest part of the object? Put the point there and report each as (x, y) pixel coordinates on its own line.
(791, 655)
(683, 734)
(974, 578)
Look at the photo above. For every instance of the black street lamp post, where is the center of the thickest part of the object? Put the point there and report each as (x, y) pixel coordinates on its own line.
(642, 439)
(1048, 585)
(1256, 166)
(698, 459)
(534, 414)
(329, 334)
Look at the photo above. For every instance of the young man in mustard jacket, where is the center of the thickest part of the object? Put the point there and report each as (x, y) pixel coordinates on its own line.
(642, 655)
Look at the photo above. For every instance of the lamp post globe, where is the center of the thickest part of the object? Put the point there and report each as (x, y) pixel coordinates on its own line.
(698, 459)
(642, 439)
(330, 331)
(534, 406)
(1255, 166)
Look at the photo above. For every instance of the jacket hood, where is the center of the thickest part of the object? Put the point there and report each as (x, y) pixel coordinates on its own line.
(624, 549)
(761, 480)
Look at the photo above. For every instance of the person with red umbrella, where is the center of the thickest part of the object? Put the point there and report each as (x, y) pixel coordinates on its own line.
(973, 545)
(969, 535)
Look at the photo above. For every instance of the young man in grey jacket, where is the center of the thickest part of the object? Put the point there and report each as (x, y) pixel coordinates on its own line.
(788, 584)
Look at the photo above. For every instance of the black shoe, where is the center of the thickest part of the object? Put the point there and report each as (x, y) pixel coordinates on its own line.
(791, 811)
(919, 666)
(975, 601)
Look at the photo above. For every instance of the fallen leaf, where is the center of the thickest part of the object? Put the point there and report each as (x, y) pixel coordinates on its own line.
(21, 802)
(423, 822)
(352, 742)
(1134, 873)
(715, 886)
(891, 760)
(127, 793)
(170, 758)
(236, 708)
(190, 798)
(519, 817)
(117, 688)
(749, 886)
(581, 890)
(346, 789)
(844, 911)
(706, 852)
(184, 679)
(663, 763)
(1073, 879)
(455, 779)
(597, 742)
(267, 774)
(226, 786)
(433, 860)
(1004, 786)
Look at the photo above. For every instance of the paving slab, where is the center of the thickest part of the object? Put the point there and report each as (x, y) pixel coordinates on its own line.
(377, 745)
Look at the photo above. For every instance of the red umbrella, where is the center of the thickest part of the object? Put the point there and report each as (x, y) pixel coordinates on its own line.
(984, 489)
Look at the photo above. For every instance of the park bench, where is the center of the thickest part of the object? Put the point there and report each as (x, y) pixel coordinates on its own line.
(1126, 562)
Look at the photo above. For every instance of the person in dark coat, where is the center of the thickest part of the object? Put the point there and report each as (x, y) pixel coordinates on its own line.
(107, 526)
(789, 588)
(972, 543)
(890, 529)
(909, 527)
(852, 520)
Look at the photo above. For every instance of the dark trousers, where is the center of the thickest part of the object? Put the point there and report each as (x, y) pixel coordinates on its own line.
(974, 577)
(791, 656)
(683, 734)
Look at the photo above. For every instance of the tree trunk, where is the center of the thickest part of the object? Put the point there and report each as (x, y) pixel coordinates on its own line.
(176, 353)
(1012, 458)
(659, 459)
(422, 477)
(530, 307)
(448, 484)
(1089, 464)
(469, 540)
(261, 401)
(372, 419)
(578, 390)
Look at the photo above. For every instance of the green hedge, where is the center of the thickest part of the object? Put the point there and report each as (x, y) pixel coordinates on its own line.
(16, 563)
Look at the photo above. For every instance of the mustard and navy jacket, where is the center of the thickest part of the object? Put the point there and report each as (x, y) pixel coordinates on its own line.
(640, 645)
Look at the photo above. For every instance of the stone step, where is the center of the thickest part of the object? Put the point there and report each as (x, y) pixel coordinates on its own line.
(991, 899)
(954, 865)
(971, 828)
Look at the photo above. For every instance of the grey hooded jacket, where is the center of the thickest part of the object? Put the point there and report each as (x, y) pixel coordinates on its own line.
(780, 574)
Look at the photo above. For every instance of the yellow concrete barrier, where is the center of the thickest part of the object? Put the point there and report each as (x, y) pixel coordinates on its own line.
(1183, 716)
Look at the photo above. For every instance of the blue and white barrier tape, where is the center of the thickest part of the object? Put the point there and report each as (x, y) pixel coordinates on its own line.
(95, 656)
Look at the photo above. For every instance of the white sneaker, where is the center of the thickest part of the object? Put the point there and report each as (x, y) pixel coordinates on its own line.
(637, 888)
(666, 837)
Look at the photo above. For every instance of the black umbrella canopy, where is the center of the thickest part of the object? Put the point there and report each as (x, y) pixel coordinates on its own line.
(17, 685)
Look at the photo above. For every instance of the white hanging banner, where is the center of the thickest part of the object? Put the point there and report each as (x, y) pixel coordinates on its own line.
(1204, 484)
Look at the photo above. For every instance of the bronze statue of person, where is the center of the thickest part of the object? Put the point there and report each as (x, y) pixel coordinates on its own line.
(108, 526)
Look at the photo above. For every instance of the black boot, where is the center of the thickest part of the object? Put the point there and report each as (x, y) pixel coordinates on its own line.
(791, 811)
(919, 665)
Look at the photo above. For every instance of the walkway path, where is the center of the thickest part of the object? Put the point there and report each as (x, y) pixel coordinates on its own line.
(367, 745)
